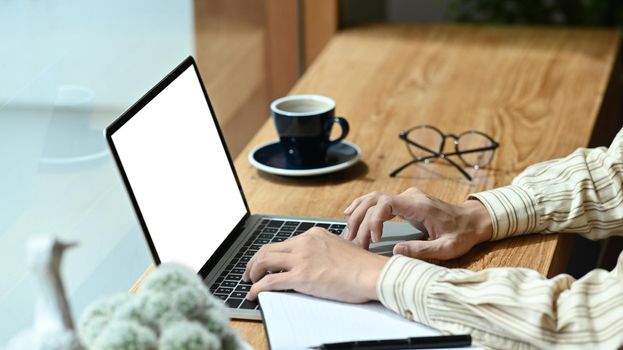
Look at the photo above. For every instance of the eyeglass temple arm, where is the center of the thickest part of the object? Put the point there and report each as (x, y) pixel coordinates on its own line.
(404, 166)
(413, 161)
(458, 167)
(443, 156)
(418, 145)
(473, 150)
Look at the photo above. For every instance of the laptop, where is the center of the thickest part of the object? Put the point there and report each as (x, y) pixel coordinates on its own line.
(187, 197)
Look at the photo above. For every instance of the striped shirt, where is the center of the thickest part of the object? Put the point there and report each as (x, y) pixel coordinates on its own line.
(515, 308)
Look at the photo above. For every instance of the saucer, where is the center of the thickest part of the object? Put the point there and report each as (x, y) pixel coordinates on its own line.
(271, 159)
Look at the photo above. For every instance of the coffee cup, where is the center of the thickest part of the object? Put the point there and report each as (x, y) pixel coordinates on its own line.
(304, 124)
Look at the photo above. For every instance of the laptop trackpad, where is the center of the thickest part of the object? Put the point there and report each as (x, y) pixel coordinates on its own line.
(394, 232)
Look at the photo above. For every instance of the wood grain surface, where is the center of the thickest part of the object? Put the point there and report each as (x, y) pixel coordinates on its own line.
(536, 91)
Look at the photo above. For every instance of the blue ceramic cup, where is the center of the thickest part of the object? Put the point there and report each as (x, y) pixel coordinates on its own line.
(304, 124)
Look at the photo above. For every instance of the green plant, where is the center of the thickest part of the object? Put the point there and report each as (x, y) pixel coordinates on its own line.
(591, 13)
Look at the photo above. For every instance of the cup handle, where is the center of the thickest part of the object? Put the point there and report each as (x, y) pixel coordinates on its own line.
(345, 128)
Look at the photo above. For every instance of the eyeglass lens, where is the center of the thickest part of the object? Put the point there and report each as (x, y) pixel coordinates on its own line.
(426, 137)
(472, 140)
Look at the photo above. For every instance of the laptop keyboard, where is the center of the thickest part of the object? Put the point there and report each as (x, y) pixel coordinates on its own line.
(229, 287)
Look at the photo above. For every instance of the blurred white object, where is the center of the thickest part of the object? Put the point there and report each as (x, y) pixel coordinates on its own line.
(173, 310)
(53, 326)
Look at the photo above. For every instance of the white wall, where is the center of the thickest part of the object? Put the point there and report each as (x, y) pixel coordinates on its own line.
(118, 48)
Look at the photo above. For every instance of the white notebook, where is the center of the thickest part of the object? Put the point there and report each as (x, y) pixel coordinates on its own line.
(296, 321)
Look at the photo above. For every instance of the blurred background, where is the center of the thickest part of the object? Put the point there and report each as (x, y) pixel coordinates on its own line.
(69, 67)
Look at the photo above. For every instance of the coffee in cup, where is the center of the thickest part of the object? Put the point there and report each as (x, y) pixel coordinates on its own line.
(304, 124)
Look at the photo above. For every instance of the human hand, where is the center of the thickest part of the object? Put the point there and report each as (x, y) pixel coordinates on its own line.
(316, 263)
(452, 229)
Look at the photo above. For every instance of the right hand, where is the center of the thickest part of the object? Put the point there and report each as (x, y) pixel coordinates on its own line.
(316, 263)
(452, 229)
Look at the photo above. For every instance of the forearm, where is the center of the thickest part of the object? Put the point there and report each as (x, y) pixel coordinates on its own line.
(580, 193)
(508, 307)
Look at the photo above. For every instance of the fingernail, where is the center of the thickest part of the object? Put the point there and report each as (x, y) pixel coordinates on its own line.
(346, 233)
(373, 236)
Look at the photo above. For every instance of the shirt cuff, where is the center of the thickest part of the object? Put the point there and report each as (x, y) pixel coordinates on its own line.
(403, 286)
(512, 209)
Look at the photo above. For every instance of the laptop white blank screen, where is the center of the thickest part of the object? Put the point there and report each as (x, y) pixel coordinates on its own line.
(178, 170)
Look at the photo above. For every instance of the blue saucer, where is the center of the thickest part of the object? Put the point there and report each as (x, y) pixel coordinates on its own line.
(270, 158)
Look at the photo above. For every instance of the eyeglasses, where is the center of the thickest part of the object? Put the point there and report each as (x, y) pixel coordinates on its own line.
(426, 143)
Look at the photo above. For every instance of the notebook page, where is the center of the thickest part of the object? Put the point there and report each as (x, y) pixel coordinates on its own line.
(297, 321)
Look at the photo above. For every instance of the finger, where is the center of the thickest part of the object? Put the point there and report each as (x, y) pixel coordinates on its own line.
(354, 204)
(413, 191)
(386, 208)
(272, 262)
(357, 216)
(383, 211)
(363, 233)
(421, 249)
(274, 281)
(359, 200)
(280, 247)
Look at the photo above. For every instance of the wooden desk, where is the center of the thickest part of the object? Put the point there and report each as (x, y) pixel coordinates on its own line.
(536, 91)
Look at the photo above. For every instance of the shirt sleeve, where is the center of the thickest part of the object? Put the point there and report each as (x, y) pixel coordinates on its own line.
(513, 308)
(509, 308)
(581, 193)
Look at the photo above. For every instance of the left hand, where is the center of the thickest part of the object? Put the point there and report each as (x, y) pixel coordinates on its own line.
(316, 263)
(452, 229)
